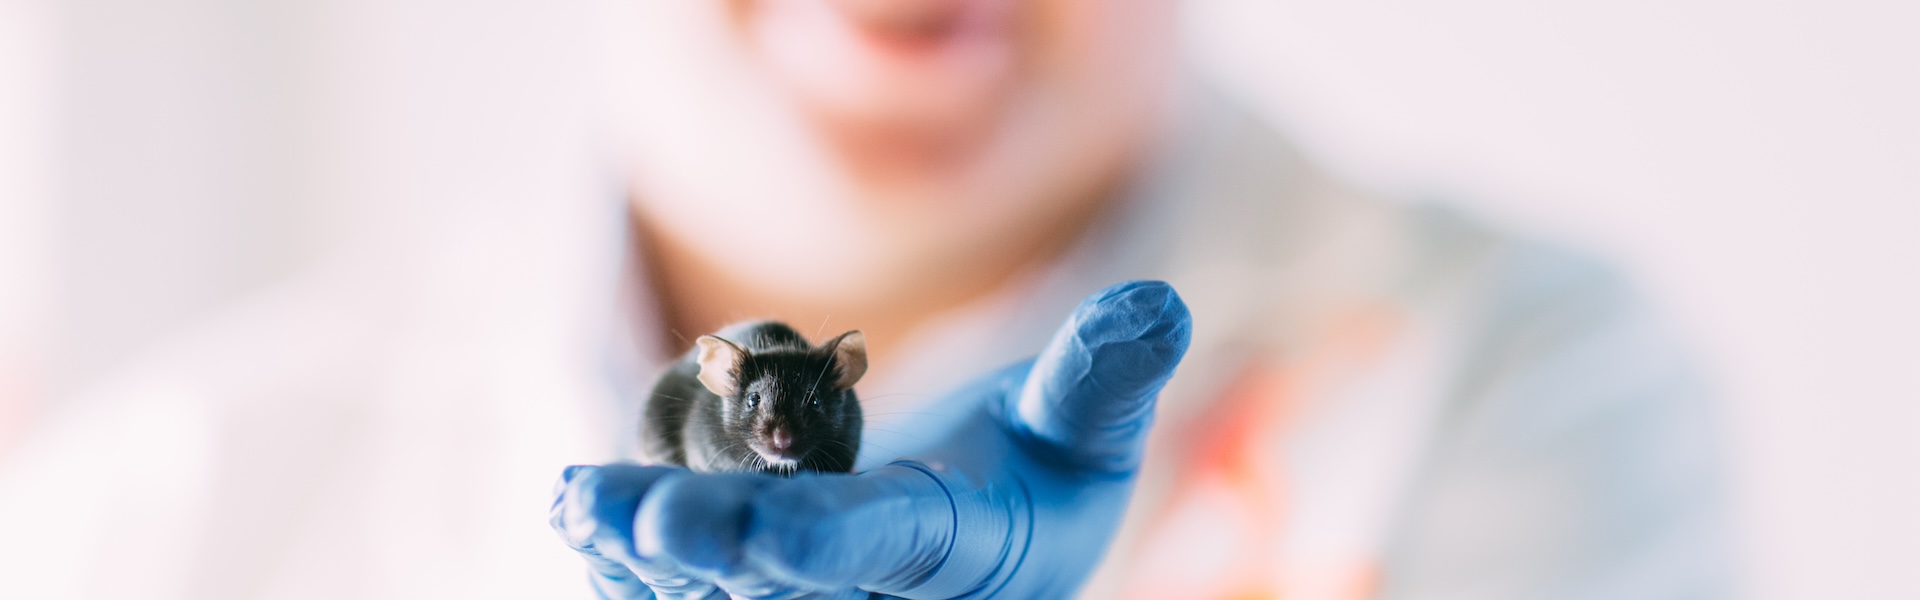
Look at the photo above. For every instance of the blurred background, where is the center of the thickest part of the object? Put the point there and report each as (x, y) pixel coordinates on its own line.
(1755, 164)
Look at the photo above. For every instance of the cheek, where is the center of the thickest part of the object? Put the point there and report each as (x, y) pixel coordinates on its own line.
(738, 416)
(687, 149)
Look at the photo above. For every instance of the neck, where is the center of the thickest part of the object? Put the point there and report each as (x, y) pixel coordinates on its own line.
(696, 296)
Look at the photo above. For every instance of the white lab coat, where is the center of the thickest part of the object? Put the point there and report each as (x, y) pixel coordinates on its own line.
(1522, 428)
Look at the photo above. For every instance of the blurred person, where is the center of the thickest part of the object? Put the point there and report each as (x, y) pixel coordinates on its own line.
(1379, 399)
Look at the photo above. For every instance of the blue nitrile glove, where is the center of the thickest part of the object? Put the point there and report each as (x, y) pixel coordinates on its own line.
(1020, 502)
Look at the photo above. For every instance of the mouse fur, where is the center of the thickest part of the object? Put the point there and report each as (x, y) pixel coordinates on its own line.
(756, 396)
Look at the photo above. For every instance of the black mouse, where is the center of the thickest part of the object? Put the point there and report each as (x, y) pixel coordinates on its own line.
(755, 396)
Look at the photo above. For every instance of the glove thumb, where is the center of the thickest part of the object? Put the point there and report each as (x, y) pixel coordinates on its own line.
(1089, 399)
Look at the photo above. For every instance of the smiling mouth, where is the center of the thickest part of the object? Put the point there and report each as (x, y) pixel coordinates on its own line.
(867, 57)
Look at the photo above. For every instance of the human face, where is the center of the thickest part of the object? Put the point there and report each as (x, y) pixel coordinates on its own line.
(856, 145)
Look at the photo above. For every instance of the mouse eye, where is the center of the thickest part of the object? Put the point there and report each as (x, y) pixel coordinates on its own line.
(753, 399)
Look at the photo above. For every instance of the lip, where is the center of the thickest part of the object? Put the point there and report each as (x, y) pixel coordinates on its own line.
(922, 27)
(859, 55)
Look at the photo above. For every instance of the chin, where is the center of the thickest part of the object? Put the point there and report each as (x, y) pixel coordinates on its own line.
(811, 146)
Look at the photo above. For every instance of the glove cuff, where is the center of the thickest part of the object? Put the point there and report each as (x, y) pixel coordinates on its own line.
(992, 530)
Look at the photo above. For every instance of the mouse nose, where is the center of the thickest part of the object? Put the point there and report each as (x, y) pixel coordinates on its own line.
(780, 440)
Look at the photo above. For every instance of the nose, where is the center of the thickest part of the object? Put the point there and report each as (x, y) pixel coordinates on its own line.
(780, 440)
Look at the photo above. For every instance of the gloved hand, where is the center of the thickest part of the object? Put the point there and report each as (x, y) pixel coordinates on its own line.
(1020, 502)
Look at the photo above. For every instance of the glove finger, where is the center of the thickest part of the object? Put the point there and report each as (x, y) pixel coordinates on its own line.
(610, 578)
(1091, 393)
(904, 528)
(766, 537)
(594, 514)
(698, 522)
(846, 594)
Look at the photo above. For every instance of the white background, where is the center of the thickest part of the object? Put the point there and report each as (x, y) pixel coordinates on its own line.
(1755, 164)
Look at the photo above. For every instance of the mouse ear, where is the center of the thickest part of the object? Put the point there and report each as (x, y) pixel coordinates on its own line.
(850, 353)
(719, 364)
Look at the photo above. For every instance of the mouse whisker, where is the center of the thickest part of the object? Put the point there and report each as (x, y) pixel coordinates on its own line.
(912, 394)
(898, 432)
(824, 365)
(900, 413)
